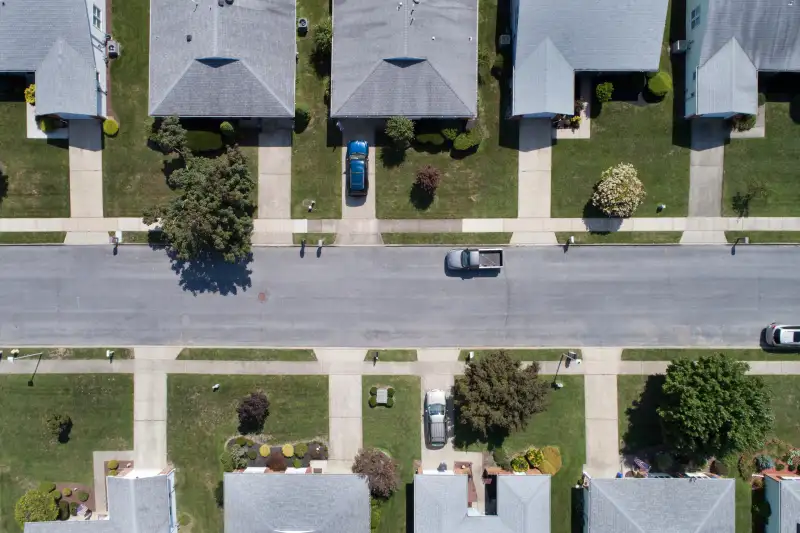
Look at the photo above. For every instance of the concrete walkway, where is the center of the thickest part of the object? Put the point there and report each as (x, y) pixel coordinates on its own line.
(706, 167)
(86, 169)
(534, 167)
(275, 172)
(600, 407)
(344, 410)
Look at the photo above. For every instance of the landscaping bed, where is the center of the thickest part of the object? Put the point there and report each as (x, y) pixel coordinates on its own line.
(260, 454)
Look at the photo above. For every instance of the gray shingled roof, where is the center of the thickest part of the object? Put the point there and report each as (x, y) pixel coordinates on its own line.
(768, 34)
(440, 505)
(135, 505)
(278, 503)
(661, 505)
(240, 61)
(51, 38)
(583, 35)
(418, 59)
(790, 506)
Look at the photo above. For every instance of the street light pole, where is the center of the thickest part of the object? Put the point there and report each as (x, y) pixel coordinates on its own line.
(571, 356)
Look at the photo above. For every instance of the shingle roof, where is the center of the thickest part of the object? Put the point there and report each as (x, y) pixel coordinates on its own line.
(53, 39)
(768, 34)
(593, 35)
(790, 506)
(411, 58)
(278, 503)
(135, 505)
(440, 505)
(661, 505)
(240, 61)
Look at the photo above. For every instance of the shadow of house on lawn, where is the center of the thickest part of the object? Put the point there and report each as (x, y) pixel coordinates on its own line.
(644, 433)
(211, 273)
(681, 127)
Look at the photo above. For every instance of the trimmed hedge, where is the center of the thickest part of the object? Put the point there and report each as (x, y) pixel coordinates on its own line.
(660, 85)
(264, 450)
(390, 392)
(604, 91)
(436, 139)
(241, 441)
(47, 487)
(251, 454)
(372, 401)
(450, 133)
(63, 511)
(373, 391)
(110, 127)
(390, 402)
(66, 492)
(73, 508)
(82, 496)
(226, 128)
(300, 450)
(113, 464)
(467, 140)
(288, 450)
(302, 117)
(56, 495)
(297, 463)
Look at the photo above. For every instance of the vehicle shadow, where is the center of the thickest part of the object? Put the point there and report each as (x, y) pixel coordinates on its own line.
(355, 201)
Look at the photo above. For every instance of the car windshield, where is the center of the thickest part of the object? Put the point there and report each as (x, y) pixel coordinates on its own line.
(436, 409)
(358, 156)
(465, 259)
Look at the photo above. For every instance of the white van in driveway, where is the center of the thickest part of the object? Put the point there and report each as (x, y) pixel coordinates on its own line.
(436, 417)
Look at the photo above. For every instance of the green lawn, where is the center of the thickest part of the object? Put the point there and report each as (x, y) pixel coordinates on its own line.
(32, 237)
(446, 238)
(199, 422)
(562, 425)
(544, 354)
(483, 184)
(396, 430)
(313, 238)
(71, 353)
(154, 238)
(392, 355)
(644, 136)
(773, 160)
(316, 152)
(623, 237)
(244, 354)
(34, 173)
(101, 408)
(694, 353)
(769, 237)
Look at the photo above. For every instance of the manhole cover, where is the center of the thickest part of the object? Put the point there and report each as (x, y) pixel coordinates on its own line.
(262, 297)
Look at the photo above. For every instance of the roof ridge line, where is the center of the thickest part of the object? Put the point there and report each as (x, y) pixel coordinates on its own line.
(267, 87)
(353, 92)
(618, 508)
(731, 486)
(453, 90)
(172, 86)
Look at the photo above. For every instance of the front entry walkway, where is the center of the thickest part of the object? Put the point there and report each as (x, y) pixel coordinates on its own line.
(275, 178)
(344, 410)
(86, 178)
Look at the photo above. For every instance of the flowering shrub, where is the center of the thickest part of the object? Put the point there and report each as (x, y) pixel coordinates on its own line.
(619, 192)
(534, 457)
(519, 464)
(30, 94)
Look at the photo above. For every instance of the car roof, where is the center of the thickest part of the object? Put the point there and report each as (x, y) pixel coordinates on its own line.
(359, 147)
(436, 396)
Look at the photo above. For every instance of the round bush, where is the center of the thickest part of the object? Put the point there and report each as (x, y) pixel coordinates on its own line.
(519, 464)
(249, 442)
(302, 118)
(276, 461)
(63, 511)
(241, 441)
(226, 128)
(110, 127)
(390, 402)
(66, 492)
(743, 122)
(56, 494)
(547, 468)
(390, 392)
(288, 450)
(47, 487)
(203, 141)
(300, 450)
(534, 456)
(373, 391)
(763, 462)
(297, 463)
(372, 401)
(73, 508)
(400, 130)
(46, 124)
(436, 139)
(467, 140)
(604, 91)
(264, 450)
(552, 455)
(619, 192)
(251, 454)
(450, 134)
(660, 85)
(112, 473)
(113, 464)
(82, 496)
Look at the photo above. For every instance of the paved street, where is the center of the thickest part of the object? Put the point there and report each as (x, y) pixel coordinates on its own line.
(398, 297)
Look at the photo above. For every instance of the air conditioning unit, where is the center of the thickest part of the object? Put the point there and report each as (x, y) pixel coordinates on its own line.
(505, 40)
(679, 47)
(113, 49)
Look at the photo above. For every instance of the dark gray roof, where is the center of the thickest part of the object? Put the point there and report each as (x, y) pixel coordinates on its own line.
(51, 38)
(135, 505)
(440, 505)
(583, 35)
(414, 58)
(240, 61)
(790, 506)
(307, 503)
(766, 32)
(661, 505)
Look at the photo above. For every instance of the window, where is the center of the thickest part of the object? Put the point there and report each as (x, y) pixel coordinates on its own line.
(97, 17)
(695, 17)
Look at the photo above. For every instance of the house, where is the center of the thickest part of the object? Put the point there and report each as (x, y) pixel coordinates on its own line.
(656, 505)
(61, 46)
(729, 43)
(782, 492)
(276, 502)
(554, 39)
(522, 504)
(138, 502)
(222, 58)
(413, 58)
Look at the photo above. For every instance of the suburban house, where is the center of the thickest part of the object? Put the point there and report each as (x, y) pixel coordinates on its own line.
(138, 502)
(782, 492)
(678, 505)
(222, 58)
(413, 58)
(554, 39)
(60, 45)
(729, 43)
(515, 503)
(261, 502)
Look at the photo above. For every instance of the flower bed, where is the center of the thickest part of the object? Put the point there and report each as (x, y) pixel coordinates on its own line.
(274, 457)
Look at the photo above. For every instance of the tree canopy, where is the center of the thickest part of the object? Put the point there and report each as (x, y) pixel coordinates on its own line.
(35, 506)
(253, 410)
(711, 407)
(496, 395)
(380, 471)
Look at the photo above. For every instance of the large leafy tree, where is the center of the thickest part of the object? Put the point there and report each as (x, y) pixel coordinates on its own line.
(711, 407)
(213, 212)
(496, 395)
(253, 410)
(380, 471)
(35, 506)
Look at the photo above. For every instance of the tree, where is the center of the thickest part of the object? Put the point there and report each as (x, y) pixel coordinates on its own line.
(253, 410)
(496, 395)
(604, 91)
(35, 506)
(380, 471)
(323, 37)
(711, 407)
(171, 136)
(213, 213)
(400, 130)
(59, 425)
(619, 192)
(428, 178)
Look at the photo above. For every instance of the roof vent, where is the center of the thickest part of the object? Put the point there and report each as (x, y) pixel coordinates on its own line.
(221, 3)
(679, 47)
(230, 2)
(189, 38)
(505, 39)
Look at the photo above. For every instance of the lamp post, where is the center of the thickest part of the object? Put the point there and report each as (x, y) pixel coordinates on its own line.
(571, 356)
(12, 358)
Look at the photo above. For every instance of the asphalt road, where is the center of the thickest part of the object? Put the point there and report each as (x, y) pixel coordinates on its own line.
(386, 297)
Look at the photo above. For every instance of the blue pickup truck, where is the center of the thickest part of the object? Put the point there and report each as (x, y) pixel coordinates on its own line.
(357, 163)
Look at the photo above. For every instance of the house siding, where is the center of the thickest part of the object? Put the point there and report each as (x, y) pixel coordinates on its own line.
(772, 493)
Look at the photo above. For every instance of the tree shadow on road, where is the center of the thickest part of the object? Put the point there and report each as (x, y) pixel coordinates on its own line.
(213, 274)
(644, 427)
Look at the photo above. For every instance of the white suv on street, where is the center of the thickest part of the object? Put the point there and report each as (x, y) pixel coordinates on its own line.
(781, 336)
